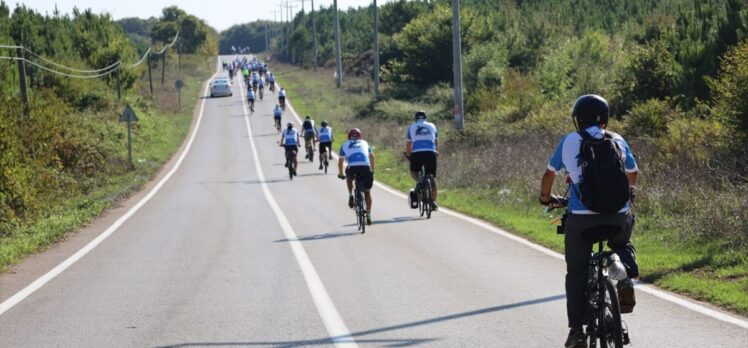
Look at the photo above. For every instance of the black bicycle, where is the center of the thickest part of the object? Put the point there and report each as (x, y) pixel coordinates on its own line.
(261, 88)
(359, 204)
(325, 161)
(309, 146)
(289, 164)
(424, 193)
(604, 325)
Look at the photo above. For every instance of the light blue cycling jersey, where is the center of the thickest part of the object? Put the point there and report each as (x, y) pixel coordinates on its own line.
(250, 95)
(356, 152)
(277, 112)
(324, 134)
(566, 159)
(423, 135)
(290, 136)
(282, 93)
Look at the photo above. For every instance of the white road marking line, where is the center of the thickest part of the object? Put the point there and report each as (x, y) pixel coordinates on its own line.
(336, 328)
(650, 289)
(41, 281)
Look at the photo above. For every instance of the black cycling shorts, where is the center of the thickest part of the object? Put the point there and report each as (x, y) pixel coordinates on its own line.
(308, 136)
(423, 159)
(362, 171)
(291, 149)
(323, 146)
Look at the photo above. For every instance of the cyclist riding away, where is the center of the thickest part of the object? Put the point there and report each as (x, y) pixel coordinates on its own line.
(360, 158)
(251, 99)
(310, 133)
(590, 115)
(282, 98)
(324, 135)
(277, 112)
(262, 87)
(421, 149)
(290, 141)
(271, 81)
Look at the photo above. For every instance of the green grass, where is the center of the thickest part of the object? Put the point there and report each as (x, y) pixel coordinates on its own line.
(701, 270)
(156, 136)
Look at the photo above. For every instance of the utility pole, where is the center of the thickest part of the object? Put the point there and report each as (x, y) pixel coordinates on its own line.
(119, 82)
(22, 80)
(459, 110)
(314, 35)
(267, 39)
(338, 63)
(376, 51)
(150, 77)
(163, 67)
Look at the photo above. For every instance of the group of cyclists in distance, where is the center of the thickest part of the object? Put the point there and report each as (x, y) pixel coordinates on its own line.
(421, 140)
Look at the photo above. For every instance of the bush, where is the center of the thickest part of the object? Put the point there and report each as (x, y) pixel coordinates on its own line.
(650, 118)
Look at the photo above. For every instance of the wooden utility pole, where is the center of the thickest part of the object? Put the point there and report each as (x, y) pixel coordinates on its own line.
(376, 50)
(163, 67)
(459, 110)
(314, 35)
(338, 63)
(150, 76)
(22, 80)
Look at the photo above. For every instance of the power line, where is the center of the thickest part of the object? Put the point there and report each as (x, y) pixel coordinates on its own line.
(145, 55)
(69, 68)
(115, 68)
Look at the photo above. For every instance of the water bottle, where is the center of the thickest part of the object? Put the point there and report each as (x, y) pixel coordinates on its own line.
(616, 270)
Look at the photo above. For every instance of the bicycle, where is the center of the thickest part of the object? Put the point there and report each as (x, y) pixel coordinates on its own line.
(604, 324)
(359, 204)
(424, 192)
(251, 106)
(261, 93)
(278, 124)
(309, 150)
(325, 160)
(289, 164)
(282, 102)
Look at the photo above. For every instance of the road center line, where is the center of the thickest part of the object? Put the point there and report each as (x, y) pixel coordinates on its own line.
(54, 272)
(336, 328)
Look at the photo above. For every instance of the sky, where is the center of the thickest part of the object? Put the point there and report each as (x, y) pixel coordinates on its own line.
(218, 14)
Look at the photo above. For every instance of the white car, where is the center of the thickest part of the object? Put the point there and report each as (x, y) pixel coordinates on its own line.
(220, 88)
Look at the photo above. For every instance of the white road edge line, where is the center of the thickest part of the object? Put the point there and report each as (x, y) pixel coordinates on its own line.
(336, 328)
(664, 295)
(41, 281)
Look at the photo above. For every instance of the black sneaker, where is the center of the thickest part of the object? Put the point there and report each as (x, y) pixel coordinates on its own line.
(576, 339)
(626, 296)
(368, 219)
(320, 167)
(350, 201)
(434, 207)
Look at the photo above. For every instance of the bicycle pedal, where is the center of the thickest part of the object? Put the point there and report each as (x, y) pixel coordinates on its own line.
(625, 330)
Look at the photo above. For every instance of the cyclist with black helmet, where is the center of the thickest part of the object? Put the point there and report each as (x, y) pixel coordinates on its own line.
(324, 135)
(590, 116)
(290, 142)
(421, 149)
(310, 134)
(360, 158)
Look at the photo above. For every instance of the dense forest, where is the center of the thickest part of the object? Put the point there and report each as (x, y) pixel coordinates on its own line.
(65, 159)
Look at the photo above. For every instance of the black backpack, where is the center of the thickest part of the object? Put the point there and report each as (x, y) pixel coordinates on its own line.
(604, 187)
(307, 125)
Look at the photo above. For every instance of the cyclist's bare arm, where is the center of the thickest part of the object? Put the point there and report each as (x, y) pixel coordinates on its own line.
(372, 161)
(341, 161)
(546, 185)
(633, 176)
(408, 148)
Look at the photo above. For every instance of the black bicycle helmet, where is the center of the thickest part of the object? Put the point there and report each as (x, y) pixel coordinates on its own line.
(590, 109)
(324, 123)
(420, 114)
(289, 125)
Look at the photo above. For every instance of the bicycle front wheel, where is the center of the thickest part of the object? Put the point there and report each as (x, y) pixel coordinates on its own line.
(609, 318)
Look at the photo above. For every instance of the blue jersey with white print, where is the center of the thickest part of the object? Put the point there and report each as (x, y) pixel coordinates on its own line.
(423, 135)
(324, 134)
(290, 136)
(356, 152)
(566, 158)
(277, 112)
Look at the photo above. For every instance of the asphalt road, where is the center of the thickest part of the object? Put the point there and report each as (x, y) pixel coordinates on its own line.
(229, 253)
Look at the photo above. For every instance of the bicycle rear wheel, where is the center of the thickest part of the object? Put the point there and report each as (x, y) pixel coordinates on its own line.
(609, 318)
(360, 211)
(427, 198)
(420, 194)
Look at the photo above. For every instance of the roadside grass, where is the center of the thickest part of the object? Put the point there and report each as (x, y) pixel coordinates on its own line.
(156, 136)
(700, 270)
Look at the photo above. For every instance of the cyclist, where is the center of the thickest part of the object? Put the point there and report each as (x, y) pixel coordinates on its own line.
(262, 86)
(271, 81)
(324, 135)
(251, 99)
(277, 112)
(282, 97)
(290, 141)
(421, 149)
(310, 133)
(255, 81)
(590, 115)
(360, 159)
